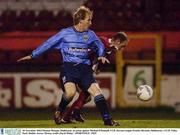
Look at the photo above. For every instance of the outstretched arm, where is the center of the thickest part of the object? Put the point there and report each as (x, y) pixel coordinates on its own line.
(26, 58)
(49, 44)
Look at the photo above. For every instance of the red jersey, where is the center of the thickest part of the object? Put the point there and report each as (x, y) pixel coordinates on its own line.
(108, 48)
(105, 41)
(109, 51)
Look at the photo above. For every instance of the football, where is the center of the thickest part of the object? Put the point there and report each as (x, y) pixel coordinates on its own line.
(144, 92)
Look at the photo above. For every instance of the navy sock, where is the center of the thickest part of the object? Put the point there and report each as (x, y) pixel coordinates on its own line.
(63, 104)
(102, 106)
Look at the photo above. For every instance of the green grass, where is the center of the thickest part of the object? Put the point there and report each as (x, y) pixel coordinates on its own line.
(91, 124)
(128, 118)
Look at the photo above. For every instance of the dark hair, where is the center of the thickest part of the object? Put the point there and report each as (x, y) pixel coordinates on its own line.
(121, 36)
(80, 14)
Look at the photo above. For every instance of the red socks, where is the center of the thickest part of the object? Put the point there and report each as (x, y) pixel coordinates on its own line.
(78, 104)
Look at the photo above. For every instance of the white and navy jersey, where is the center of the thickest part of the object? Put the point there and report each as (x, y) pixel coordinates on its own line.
(73, 45)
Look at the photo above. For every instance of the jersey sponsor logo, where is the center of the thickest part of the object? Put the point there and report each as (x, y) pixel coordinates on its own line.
(85, 37)
(75, 49)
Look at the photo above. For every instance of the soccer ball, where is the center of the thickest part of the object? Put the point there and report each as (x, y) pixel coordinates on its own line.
(144, 92)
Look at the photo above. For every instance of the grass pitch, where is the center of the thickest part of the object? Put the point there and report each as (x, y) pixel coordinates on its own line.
(128, 118)
(91, 124)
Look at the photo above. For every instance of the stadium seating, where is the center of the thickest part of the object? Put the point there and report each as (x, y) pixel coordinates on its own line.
(110, 15)
(124, 15)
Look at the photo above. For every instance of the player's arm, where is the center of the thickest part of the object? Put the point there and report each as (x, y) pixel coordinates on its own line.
(96, 65)
(47, 45)
(95, 68)
(26, 58)
(100, 50)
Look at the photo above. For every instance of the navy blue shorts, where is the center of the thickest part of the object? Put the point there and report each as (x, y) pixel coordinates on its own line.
(80, 74)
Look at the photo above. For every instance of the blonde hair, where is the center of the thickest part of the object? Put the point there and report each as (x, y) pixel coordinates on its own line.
(80, 14)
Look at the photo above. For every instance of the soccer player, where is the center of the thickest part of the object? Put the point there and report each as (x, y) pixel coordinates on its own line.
(117, 42)
(74, 44)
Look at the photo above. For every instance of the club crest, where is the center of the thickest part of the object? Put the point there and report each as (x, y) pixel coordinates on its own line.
(85, 37)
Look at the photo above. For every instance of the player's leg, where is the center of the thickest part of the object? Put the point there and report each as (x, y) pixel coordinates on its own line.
(74, 112)
(70, 91)
(93, 88)
(101, 104)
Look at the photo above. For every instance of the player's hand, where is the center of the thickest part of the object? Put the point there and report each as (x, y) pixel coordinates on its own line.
(95, 68)
(25, 58)
(103, 60)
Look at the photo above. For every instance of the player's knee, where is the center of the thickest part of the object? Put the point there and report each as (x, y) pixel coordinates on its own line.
(70, 90)
(94, 90)
(70, 94)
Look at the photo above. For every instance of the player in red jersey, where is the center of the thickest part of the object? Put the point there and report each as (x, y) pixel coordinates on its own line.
(117, 42)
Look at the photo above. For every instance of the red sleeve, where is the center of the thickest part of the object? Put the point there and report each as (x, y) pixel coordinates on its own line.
(105, 41)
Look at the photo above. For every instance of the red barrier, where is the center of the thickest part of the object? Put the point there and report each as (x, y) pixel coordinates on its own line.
(30, 40)
(43, 90)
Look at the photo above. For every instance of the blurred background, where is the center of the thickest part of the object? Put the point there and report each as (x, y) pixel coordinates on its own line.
(152, 56)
